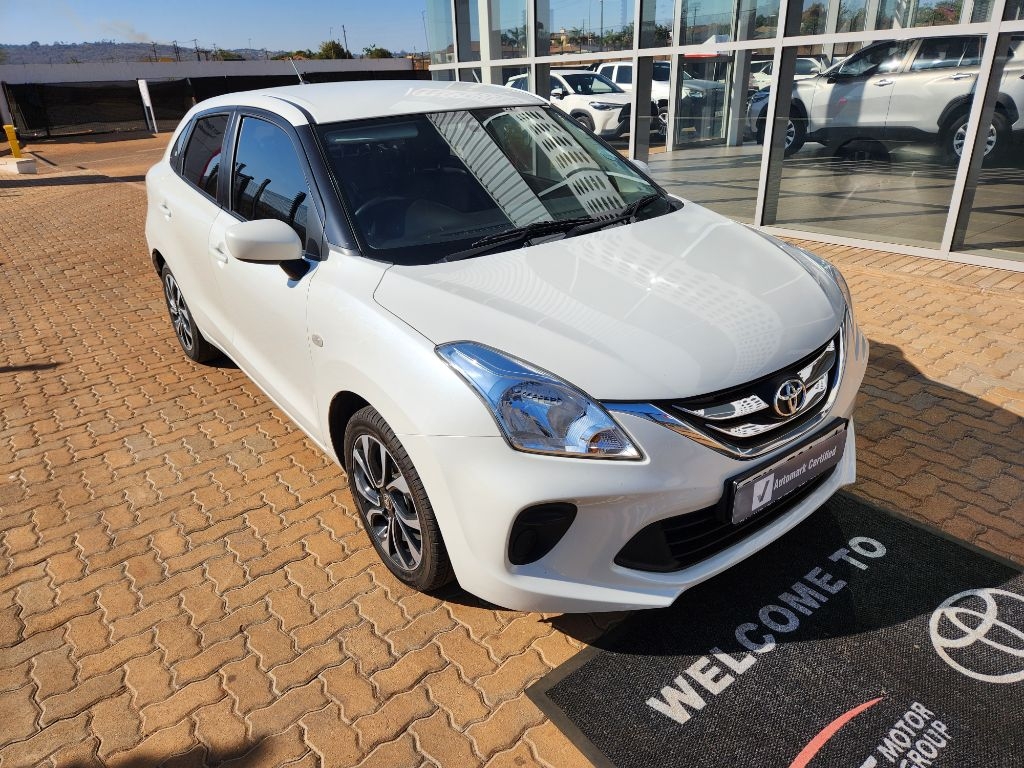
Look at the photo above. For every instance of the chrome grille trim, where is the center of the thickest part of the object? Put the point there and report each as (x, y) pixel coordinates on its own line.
(724, 411)
(831, 363)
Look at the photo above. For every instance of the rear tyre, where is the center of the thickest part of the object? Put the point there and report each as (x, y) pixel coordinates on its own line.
(995, 143)
(187, 332)
(585, 120)
(393, 505)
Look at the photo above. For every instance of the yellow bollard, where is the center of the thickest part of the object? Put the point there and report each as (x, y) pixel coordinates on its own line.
(13, 139)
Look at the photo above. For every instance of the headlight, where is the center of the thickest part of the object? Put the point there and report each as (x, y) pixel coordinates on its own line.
(604, 105)
(690, 93)
(536, 411)
(760, 95)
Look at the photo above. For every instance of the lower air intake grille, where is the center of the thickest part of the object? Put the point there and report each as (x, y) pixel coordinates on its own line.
(679, 542)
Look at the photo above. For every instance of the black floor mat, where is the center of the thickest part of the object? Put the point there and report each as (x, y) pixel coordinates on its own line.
(857, 640)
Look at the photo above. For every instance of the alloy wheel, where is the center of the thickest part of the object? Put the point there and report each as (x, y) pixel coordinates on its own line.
(178, 309)
(960, 137)
(390, 511)
(790, 134)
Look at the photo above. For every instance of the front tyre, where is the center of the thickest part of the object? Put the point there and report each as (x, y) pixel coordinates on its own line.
(584, 119)
(393, 505)
(796, 133)
(192, 343)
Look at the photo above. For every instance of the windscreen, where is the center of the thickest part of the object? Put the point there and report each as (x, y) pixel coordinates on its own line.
(421, 187)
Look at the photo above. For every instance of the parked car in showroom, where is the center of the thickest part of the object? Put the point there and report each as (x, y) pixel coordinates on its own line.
(699, 98)
(592, 100)
(761, 71)
(897, 92)
(543, 375)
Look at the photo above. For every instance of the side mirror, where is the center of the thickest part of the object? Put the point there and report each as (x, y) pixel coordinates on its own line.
(641, 165)
(265, 240)
(557, 93)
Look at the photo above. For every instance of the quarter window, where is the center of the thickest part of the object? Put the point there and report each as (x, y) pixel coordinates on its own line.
(202, 156)
(268, 182)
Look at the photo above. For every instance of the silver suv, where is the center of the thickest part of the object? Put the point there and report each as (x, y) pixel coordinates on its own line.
(902, 91)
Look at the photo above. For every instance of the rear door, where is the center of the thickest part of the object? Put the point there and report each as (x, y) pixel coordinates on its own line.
(943, 71)
(186, 208)
(270, 179)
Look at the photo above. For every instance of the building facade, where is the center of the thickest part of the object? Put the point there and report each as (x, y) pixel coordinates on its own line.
(850, 121)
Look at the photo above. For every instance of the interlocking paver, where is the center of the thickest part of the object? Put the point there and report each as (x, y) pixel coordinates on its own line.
(182, 575)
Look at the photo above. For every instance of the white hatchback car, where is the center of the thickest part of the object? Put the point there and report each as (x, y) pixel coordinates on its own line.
(543, 375)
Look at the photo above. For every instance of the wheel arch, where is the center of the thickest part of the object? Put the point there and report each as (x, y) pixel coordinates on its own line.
(158, 261)
(962, 104)
(344, 405)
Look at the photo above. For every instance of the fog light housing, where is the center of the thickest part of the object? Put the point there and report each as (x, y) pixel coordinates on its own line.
(537, 530)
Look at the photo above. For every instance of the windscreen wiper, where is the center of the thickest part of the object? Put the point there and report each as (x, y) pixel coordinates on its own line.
(517, 235)
(626, 214)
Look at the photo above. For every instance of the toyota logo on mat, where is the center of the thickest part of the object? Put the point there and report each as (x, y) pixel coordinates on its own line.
(980, 633)
(789, 397)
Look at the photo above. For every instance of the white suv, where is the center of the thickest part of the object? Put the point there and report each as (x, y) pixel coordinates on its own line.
(894, 92)
(592, 100)
(544, 376)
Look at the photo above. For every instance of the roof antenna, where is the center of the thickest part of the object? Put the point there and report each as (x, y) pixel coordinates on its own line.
(297, 73)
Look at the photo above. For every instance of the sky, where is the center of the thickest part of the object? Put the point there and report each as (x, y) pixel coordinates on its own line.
(275, 25)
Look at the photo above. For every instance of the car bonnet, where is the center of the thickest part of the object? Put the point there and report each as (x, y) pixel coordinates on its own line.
(680, 305)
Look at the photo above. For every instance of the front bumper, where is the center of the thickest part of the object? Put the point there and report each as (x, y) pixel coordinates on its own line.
(478, 485)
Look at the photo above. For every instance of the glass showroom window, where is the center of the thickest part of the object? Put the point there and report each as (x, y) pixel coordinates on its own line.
(991, 219)
(569, 26)
(440, 34)
(467, 27)
(508, 29)
(873, 145)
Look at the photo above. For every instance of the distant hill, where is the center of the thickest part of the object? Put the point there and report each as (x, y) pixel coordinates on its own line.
(108, 50)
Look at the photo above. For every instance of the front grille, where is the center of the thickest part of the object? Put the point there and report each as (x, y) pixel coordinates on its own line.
(745, 418)
(679, 542)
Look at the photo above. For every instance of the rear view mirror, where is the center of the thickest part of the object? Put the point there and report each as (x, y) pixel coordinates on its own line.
(266, 240)
(557, 93)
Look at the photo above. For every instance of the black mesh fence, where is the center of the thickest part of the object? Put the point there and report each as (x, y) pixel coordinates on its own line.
(66, 109)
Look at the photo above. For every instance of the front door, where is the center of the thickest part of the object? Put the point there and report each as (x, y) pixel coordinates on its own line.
(855, 101)
(267, 302)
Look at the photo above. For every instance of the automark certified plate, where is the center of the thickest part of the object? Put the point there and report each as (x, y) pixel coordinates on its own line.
(782, 478)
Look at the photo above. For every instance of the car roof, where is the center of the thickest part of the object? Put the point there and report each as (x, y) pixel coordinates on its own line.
(356, 100)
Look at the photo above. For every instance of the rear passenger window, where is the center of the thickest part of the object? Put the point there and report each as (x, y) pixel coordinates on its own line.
(625, 74)
(947, 53)
(268, 181)
(202, 156)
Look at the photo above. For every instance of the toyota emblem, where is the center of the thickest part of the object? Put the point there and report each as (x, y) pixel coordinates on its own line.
(789, 397)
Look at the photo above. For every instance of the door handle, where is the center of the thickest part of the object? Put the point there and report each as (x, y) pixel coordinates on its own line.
(961, 76)
(219, 253)
(887, 81)
(166, 211)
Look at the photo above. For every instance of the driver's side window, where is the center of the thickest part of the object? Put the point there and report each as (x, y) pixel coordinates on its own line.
(267, 181)
(876, 59)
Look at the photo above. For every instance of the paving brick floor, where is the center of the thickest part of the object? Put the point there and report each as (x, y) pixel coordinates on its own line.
(182, 577)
